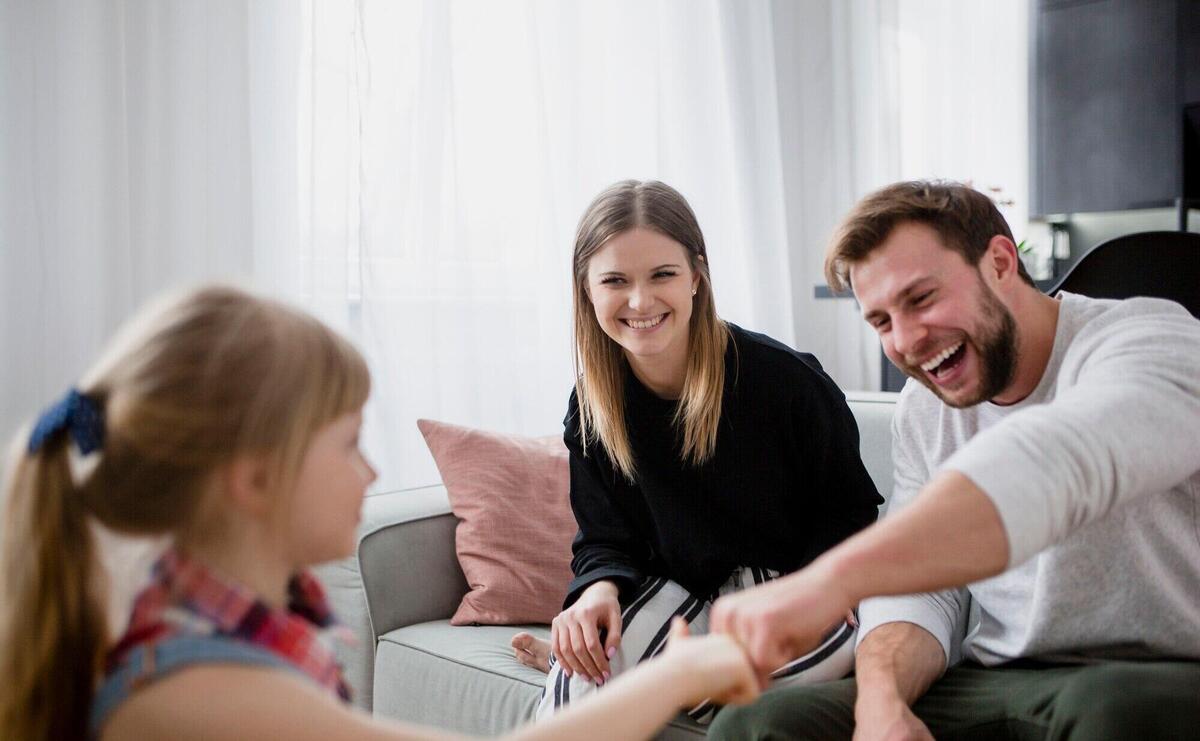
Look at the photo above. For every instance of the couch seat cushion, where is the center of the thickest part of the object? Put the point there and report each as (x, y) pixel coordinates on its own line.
(428, 672)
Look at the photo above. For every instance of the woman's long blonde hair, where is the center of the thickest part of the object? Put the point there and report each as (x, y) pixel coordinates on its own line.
(193, 383)
(599, 361)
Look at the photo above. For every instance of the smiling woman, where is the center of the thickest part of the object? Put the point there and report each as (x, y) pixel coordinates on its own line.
(640, 259)
(704, 458)
(641, 286)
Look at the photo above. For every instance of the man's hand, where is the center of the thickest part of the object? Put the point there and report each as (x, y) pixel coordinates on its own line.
(715, 666)
(783, 619)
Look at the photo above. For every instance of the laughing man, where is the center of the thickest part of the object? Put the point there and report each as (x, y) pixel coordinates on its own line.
(1048, 458)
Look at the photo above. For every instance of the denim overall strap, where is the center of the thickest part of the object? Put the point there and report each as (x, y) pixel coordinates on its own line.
(152, 661)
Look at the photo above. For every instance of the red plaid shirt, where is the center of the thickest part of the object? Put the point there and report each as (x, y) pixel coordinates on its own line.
(186, 599)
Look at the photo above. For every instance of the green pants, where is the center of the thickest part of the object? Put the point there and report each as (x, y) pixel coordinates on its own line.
(1113, 700)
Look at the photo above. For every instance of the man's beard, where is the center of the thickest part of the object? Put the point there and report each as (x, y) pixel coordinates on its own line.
(995, 342)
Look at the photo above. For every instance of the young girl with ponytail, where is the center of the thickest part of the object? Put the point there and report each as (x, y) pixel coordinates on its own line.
(230, 423)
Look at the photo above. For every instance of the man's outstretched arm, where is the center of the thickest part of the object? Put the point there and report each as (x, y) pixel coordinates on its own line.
(950, 535)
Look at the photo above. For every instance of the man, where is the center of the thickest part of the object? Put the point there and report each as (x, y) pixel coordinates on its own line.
(1048, 459)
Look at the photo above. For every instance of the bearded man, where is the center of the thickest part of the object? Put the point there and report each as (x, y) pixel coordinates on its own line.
(1038, 574)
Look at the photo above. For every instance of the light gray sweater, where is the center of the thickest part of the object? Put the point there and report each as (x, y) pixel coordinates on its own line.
(1096, 476)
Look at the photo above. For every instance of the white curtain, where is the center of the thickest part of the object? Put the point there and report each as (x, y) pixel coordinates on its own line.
(962, 78)
(836, 68)
(123, 144)
(413, 171)
(143, 146)
(875, 91)
(454, 145)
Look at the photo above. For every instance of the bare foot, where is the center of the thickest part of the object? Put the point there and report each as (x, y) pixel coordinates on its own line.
(532, 651)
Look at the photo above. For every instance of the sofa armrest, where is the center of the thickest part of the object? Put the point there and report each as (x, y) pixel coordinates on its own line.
(405, 572)
(410, 571)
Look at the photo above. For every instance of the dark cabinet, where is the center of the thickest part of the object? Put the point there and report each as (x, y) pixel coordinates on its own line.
(1109, 82)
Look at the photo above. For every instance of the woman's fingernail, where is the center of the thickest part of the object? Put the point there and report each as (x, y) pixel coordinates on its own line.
(606, 676)
(612, 651)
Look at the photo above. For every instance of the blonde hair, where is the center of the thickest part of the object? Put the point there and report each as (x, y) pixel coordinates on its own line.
(191, 384)
(599, 361)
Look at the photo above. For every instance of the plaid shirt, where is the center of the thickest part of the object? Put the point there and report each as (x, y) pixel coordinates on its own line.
(186, 599)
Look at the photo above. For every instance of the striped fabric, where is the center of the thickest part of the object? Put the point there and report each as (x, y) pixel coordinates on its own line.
(646, 622)
(186, 599)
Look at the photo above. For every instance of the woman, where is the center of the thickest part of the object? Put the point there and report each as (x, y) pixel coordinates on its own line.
(231, 423)
(704, 457)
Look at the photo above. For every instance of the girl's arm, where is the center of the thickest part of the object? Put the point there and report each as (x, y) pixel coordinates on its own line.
(234, 702)
(215, 702)
(641, 701)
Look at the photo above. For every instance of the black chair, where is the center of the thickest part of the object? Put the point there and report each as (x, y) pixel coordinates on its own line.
(1159, 264)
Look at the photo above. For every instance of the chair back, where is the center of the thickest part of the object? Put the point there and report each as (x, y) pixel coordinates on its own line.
(1158, 264)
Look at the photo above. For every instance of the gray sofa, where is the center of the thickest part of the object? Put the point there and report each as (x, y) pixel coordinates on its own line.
(397, 595)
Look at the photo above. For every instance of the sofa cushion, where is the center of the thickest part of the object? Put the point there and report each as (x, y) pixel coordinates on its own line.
(873, 414)
(511, 494)
(464, 678)
(459, 677)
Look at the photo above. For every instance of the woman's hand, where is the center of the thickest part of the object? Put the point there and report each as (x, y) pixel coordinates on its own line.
(714, 667)
(575, 633)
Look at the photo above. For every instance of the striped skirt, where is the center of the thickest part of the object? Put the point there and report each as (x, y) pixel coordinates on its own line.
(646, 620)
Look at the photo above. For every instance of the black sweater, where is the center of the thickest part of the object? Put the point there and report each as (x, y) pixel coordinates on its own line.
(784, 485)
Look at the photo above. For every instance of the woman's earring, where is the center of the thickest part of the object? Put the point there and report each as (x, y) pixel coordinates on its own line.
(693, 291)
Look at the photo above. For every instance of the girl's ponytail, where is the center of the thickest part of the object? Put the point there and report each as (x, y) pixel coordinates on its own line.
(52, 621)
(188, 386)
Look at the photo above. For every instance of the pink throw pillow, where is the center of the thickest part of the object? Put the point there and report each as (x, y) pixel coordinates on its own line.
(511, 496)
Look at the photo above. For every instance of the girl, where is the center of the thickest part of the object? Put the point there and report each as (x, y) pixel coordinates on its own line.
(704, 458)
(231, 423)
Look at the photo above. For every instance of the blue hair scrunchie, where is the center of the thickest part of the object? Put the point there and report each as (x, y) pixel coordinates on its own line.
(80, 414)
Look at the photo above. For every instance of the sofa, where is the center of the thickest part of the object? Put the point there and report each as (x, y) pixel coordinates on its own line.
(398, 593)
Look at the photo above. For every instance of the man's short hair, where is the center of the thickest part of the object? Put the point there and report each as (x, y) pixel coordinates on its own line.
(965, 220)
